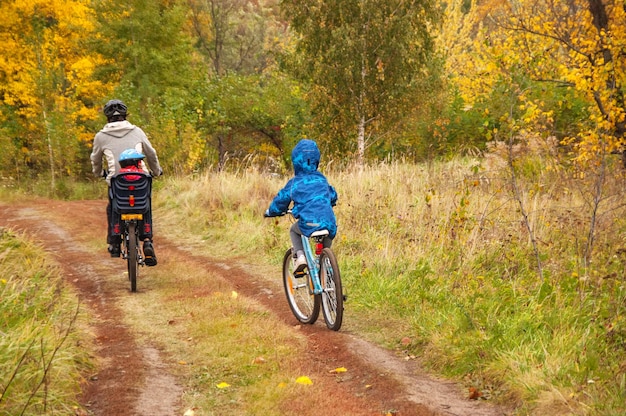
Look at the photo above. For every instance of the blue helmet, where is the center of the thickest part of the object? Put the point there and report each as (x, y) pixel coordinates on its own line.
(130, 157)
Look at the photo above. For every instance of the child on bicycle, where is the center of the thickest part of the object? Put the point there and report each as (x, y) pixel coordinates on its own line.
(313, 200)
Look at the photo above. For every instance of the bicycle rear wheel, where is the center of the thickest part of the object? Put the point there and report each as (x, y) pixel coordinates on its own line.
(131, 257)
(332, 291)
(303, 303)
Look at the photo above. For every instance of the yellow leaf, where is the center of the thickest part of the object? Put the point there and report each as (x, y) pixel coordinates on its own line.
(233, 294)
(181, 362)
(282, 385)
(304, 380)
(223, 385)
(339, 370)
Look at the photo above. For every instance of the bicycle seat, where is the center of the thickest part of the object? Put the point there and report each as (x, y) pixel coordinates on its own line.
(319, 233)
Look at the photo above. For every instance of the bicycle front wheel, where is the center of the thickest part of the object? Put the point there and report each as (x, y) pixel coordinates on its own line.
(131, 257)
(332, 292)
(303, 303)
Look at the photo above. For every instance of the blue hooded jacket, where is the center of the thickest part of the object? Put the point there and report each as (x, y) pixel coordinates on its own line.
(313, 197)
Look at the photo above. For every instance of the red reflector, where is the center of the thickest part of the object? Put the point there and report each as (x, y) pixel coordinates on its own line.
(318, 248)
(131, 200)
(131, 188)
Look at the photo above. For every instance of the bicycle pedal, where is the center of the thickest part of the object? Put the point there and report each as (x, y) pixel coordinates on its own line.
(300, 274)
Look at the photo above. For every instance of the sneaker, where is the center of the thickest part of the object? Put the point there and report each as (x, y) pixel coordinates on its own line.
(299, 264)
(148, 254)
(114, 250)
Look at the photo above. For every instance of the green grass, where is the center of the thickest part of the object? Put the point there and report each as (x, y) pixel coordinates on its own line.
(439, 254)
(41, 360)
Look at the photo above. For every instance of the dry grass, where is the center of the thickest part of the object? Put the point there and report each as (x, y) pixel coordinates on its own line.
(442, 253)
(42, 349)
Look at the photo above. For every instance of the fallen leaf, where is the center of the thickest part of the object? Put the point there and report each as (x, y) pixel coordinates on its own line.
(304, 380)
(223, 385)
(282, 385)
(233, 294)
(405, 341)
(181, 362)
(259, 360)
(474, 393)
(190, 412)
(339, 370)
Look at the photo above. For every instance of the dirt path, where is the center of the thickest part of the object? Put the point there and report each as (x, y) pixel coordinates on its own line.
(152, 389)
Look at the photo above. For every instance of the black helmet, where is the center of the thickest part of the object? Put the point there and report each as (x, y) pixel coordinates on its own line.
(115, 108)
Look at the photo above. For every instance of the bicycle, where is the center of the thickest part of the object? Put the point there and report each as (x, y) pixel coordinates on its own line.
(130, 197)
(318, 285)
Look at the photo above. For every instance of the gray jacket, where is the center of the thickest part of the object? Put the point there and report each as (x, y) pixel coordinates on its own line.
(116, 137)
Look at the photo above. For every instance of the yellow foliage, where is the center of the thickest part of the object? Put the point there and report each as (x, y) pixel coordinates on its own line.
(548, 40)
(43, 63)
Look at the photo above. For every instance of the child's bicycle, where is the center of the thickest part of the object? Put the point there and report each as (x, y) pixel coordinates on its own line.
(319, 283)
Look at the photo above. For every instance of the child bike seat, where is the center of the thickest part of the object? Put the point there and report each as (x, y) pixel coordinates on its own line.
(130, 192)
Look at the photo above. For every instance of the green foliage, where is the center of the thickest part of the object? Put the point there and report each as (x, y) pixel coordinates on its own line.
(40, 362)
(147, 62)
(364, 60)
(265, 112)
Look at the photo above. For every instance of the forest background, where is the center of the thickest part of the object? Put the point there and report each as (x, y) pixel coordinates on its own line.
(219, 80)
(483, 136)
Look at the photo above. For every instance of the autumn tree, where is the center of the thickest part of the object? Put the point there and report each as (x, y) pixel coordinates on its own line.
(235, 35)
(551, 56)
(46, 87)
(249, 107)
(365, 60)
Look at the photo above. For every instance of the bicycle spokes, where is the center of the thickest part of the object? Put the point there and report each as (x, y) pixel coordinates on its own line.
(304, 305)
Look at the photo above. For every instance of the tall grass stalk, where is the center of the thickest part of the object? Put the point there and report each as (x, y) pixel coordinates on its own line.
(439, 253)
(40, 355)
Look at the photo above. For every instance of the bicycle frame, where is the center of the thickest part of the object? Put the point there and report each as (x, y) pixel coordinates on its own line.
(312, 259)
(134, 219)
(131, 251)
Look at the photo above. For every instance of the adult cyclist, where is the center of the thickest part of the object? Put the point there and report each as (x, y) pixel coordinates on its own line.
(118, 135)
